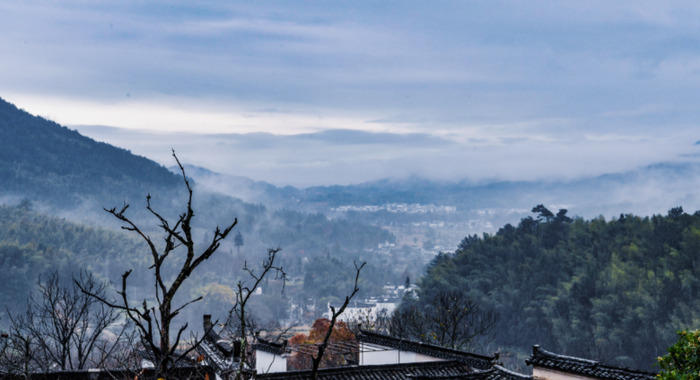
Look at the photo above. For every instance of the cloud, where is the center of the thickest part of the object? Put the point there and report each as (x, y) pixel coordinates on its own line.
(354, 137)
(346, 157)
(321, 92)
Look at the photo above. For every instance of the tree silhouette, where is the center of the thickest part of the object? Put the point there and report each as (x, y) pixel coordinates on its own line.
(154, 321)
(238, 241)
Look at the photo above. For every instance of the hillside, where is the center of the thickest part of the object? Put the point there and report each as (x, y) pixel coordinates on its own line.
(47, 170)
(615, 290)
(45, 162)
(430, 214)
(612, 289)
(33, 245)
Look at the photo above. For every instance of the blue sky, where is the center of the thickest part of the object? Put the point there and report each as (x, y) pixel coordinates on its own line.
(318, 92)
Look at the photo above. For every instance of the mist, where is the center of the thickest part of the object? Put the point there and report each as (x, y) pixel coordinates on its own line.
(344, 157)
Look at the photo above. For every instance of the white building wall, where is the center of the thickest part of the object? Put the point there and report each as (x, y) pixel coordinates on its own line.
(266, 362)
(548, 374)
(371, 354)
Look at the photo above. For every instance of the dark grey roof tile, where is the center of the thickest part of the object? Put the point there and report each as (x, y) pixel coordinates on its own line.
(585, 367)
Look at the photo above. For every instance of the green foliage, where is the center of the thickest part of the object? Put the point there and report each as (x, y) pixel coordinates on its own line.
(40, 159)
(610, 290)
(34, 244)
(683, 358)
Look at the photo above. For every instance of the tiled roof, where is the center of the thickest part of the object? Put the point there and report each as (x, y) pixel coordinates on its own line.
(220, 353)
(378, 372)
(476, 361)
(270, 347)
(584, 367)
(495, 373)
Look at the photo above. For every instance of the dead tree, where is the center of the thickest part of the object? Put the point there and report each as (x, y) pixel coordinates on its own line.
(316, 361)
(68, 324)
(61, 328)
(457, 320)
(154, 321)
(19, 355)
(122, 352)
(238, 318)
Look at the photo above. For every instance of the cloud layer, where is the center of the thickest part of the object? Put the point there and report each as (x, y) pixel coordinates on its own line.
(506, 88)
(349, 156)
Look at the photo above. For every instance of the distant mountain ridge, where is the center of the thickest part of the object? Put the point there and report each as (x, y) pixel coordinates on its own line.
(42, 160)
(646, 190)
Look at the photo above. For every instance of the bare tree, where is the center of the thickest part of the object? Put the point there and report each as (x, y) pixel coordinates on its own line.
(407, 321)
(67, 323)
(61, 328)
(18, 350)
(154, 321)
(238, 318)
(378, 321)
(122, 351)
(316, 360)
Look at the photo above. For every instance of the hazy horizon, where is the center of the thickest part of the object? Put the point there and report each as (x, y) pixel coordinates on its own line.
(322, 158)
(315, 93)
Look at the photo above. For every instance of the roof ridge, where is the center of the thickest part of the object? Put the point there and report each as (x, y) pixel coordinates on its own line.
(369, 368)
(536, 349)
(511, 372)
(573, 364)
(402, 341)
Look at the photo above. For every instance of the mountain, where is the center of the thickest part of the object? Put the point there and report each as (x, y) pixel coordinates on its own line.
(33, 245)
(43, 161)
(646, 190)
(259, 192)
(53, 171)
(396, 225)
(469, 207)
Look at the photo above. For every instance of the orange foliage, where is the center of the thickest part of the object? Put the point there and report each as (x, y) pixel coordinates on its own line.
(303, 346)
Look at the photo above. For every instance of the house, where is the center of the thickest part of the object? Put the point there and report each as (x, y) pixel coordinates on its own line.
(369, 311)
(378, 348)
(270, 357)
(382, 357)
(220, 354)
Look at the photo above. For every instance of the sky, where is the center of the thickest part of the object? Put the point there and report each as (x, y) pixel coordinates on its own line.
(319, 92)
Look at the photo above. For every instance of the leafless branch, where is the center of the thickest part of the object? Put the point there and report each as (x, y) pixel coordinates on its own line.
(316, 360)
(177, 236)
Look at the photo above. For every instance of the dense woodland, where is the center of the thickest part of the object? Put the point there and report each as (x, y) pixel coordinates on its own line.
(614, 290)
(34, 245)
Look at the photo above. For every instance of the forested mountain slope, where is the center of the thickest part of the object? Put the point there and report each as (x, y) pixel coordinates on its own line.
(56, 171)
(44, 161)
(614, 290)
(33, 245)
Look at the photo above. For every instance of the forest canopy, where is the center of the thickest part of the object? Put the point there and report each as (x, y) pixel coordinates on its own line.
(614, 290)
